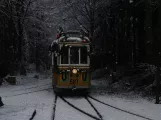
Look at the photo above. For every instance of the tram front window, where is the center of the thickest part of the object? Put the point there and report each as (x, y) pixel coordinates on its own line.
(74, 55)
(83, 52)
(64, 55)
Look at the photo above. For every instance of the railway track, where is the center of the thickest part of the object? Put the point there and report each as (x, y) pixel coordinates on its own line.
(54, 108)
(98, 113)
(26, 88)
(98, 117)
(38, 86)
(125, 111)
(88, 98)
(23, 93)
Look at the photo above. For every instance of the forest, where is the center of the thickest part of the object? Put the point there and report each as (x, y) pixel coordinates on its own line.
(125, 35)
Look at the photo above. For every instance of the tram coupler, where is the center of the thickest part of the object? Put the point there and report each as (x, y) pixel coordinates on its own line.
(74, 88)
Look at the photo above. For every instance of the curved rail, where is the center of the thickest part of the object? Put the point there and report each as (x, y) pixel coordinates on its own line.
(38, 86)
(28, 92)
(94, 108)
(120, 109)
(92, 116)
(33, 115)
(54, 108)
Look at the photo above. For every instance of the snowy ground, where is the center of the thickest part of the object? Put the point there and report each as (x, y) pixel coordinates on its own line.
(36, 94)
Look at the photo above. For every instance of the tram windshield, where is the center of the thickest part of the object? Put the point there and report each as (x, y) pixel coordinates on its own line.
(74, 55)
(84, 55)
(64, 55)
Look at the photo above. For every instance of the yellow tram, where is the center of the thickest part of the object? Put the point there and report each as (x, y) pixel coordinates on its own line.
(71, 61)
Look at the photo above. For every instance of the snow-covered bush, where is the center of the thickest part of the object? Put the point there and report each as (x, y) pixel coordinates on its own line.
(147, 69)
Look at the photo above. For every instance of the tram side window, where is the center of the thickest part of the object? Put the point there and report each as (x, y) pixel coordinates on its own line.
(74, 55)
(64, 55)
(83, 55)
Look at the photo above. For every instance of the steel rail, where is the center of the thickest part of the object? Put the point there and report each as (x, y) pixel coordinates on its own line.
(94, 108)
(89, 115)
(54, 108)
(28, 92)
(120, 109)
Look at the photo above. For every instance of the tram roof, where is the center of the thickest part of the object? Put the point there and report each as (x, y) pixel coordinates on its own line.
(73, 36)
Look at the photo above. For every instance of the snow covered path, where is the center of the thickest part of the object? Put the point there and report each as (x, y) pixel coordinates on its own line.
(29, 94)
(36, 94)
(69, 113)
(115, 114)
(131, 102)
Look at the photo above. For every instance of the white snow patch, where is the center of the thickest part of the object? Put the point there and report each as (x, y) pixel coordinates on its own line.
(140, 107)
(65, 112)
(83, 104)
(21, 107)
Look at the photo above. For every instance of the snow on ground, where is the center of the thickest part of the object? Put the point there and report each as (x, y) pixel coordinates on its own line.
(15, 113)
(26, 82)
(20, 100)
(113, 114)
(142, 108)
(65, 112)
(82, 103)
(132, 102)
(32, 93)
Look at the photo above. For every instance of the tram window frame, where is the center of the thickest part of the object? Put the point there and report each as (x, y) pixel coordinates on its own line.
(79, 53)
(62, 53)
(76, 58)
(85, 54)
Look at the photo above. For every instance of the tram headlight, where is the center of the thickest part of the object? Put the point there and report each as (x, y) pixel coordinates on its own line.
(74, 71)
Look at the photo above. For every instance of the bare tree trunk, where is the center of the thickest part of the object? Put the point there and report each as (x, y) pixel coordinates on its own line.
(148, 29)
(1, 81)
(157, 84)
(20, 14)
(158, 53)
(20, 11)
(92, 19)
(1, 103)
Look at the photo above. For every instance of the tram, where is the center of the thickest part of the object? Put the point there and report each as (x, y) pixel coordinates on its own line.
(71, 61)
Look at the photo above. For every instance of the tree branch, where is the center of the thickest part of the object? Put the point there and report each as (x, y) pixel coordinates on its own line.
(26, 11)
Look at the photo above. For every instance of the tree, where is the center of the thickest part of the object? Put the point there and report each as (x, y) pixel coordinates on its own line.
(1, 103)
(40, 31)
(8, 37)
